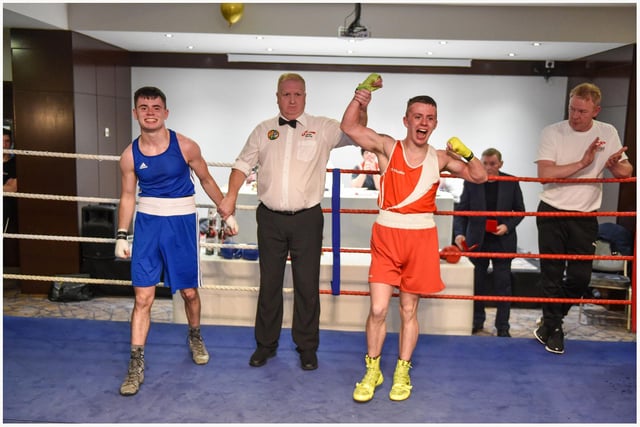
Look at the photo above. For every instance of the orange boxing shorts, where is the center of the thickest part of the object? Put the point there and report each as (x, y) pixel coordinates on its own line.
(406, 258)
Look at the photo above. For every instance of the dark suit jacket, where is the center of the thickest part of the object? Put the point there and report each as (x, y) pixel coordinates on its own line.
(473, 199)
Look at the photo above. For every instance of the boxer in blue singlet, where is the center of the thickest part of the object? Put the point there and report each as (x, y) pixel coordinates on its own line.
(161, 163)
(165, 224)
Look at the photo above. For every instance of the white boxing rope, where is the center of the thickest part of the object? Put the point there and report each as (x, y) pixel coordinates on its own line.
(98, 157)
(88, 280)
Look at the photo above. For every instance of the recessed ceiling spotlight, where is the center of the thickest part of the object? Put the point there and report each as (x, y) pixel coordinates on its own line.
(168, 35)
(349, 52)
(269, 49)
(511, 54)
(429, 53)
(443, 42)
(190, 47)
(259, 38)
(536, 44)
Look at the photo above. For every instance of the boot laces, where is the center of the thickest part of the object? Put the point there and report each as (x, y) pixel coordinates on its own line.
(401, 375)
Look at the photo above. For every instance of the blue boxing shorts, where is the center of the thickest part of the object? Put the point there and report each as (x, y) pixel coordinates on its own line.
(165, 244)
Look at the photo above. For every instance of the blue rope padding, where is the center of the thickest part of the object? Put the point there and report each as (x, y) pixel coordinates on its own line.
(335, 231)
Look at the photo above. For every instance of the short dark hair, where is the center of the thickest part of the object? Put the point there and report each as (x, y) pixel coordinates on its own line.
(492, 152)
(149, 92)
(6, 131)
(423, 99)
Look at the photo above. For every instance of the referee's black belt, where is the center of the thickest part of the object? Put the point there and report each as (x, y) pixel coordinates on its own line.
(290, 213)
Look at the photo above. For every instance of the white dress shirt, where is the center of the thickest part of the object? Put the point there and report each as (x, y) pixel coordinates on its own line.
(291, 162)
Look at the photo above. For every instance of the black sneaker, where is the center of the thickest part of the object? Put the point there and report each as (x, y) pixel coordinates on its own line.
(555, 341)
(541, 334)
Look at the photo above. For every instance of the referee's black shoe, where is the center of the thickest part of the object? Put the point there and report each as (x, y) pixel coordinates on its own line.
(261, 355)
(308, 360)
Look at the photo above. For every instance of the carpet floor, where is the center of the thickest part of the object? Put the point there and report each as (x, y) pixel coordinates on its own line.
(70, 370)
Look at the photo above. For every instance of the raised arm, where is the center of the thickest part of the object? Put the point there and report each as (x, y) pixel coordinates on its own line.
(353, 127)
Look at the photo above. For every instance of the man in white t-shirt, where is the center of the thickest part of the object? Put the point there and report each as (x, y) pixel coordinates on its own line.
(579, 147)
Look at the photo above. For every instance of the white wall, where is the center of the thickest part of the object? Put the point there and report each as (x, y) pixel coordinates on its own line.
(219, 108)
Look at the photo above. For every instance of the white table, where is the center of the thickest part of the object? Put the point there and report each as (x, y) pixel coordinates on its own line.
(343, 312)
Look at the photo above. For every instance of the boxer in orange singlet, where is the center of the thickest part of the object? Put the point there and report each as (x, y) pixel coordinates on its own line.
(404, 238)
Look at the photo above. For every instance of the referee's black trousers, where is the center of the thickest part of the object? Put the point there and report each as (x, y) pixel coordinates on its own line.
(300, 235)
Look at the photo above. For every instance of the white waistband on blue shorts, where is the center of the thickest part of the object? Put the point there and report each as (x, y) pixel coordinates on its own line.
(407, 221)
(167, 207)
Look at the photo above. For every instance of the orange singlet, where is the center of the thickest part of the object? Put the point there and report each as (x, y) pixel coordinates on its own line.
(404, 238)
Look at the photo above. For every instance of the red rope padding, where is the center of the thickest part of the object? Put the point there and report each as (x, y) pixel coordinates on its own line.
(516, 178)
(562, 180)
(499, 298)
(497, 213)
(541, 256)
(508, 255)
(549, 214)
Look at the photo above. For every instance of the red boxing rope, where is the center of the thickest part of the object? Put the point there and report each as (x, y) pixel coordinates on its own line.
(498, 298)
(518, 178)
(499, 213)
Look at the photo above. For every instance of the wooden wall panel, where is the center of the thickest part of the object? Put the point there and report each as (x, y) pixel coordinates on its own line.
(57, 76)
(44, 122)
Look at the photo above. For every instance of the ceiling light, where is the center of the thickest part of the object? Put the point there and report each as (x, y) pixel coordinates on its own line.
(536, 44)
(443, 42)
(511, 54)
(190, 47)
(350, 60)
(259, 37)
(168, 35)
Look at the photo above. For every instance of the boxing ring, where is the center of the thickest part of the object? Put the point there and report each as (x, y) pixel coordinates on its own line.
(459, 280)
(69, 370)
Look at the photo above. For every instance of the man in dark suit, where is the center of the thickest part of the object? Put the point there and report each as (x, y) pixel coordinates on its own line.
(491, 234)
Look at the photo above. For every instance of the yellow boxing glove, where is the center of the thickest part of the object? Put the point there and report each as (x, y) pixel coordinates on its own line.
(458, 147)
(371, 83)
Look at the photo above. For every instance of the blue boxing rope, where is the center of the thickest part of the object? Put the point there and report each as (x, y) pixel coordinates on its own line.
(335, 231)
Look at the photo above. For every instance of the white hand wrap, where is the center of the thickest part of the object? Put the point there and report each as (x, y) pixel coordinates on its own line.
(122, 249)
(231, 224)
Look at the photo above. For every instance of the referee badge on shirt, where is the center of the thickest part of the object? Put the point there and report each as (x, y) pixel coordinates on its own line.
(273, 134)
(309, 134)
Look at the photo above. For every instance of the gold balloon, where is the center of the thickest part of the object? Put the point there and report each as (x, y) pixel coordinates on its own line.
(232, 12)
